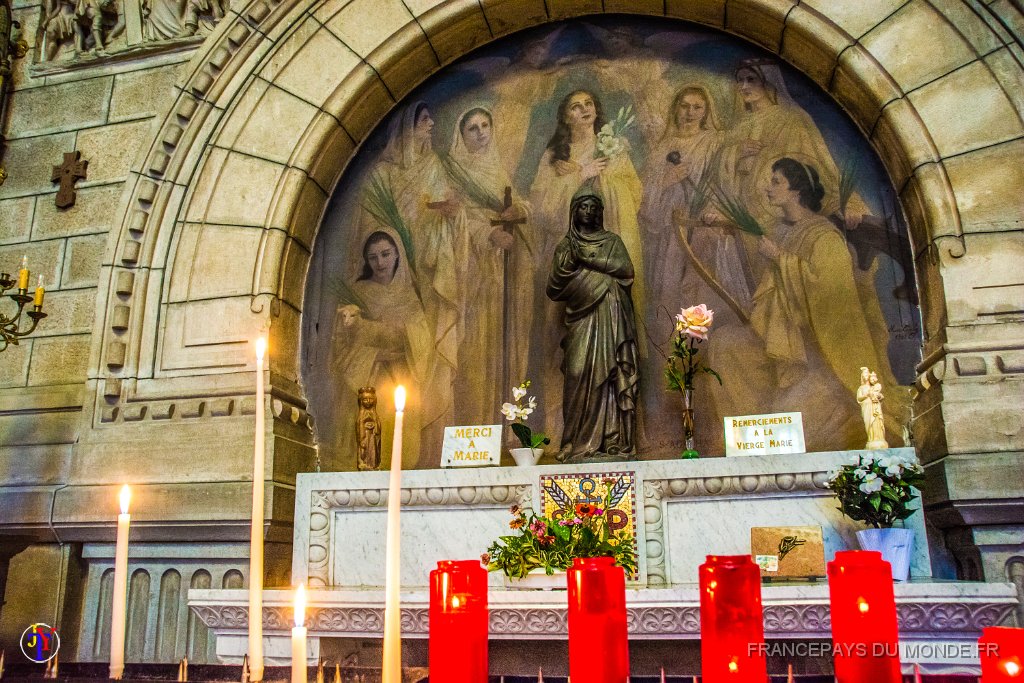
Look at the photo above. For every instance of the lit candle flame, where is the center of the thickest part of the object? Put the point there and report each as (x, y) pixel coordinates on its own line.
(862, 605)
(126, 496)
(300, 605)
(455, 602)
(261, 347)
(1011, 668)
(399, 399)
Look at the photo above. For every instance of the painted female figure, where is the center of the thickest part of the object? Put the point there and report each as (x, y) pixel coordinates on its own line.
(383, 338)
(478, 162)
(435, 239)
(592, 273)
(808, 312)
(571, 163)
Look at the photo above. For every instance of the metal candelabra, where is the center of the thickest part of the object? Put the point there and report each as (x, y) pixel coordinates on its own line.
(9, 327)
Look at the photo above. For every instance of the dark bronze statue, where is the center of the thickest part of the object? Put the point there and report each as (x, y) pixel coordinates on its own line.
(592, 273)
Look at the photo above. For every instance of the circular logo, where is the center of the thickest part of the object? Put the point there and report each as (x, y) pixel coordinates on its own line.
(40, 643)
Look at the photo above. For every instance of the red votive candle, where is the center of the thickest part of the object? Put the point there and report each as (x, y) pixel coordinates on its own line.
(598, 638)
(1002, 654)
(458, 622)
(731, 621)
(865, 637)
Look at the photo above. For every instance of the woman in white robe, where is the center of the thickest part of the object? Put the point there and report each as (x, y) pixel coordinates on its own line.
(435, 237)
(483, 376)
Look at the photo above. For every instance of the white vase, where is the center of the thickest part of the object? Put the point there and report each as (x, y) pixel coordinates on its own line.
(896, 546)
(538, 580)
(526, 457)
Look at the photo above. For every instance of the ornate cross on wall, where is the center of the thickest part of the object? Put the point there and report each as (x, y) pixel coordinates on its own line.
(73, 169)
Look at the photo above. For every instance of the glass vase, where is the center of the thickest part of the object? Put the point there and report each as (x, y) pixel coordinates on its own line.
(689, 439)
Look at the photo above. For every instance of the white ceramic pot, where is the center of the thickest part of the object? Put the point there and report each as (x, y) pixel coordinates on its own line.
(526, 457)
(896, 546)
(538, 580)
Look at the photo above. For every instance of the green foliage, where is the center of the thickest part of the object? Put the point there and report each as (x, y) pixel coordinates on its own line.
(877, 490)
(544, 543)
(527, 437)
(847, 181)
(469, 186)
(379, 201)
(683, 365)
(737, 214)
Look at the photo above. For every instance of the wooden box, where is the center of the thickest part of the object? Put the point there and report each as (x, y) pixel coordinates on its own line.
(788, 552)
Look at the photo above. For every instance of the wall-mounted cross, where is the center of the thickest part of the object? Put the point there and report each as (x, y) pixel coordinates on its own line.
(73, 168)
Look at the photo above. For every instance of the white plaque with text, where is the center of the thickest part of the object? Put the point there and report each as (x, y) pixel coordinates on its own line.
(764, 434)
(473, 446)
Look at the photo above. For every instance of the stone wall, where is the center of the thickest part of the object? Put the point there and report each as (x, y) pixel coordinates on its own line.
(210, 166)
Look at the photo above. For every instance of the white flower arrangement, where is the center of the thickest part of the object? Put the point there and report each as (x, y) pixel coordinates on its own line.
(517, 413)
(611, 139)
(876, 489)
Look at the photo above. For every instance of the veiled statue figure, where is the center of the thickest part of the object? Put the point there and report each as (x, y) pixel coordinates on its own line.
(593, 274)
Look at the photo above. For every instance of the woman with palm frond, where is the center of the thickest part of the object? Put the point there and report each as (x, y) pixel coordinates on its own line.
(769, 124)
(381, 339)
(409, 192)
(480, 176)
(808, 312)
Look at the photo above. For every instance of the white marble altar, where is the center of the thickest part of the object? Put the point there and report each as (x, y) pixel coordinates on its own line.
(940, 622)
(686, 510)
(689, 509)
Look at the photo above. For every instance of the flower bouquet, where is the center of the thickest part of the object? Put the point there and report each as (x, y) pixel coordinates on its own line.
(611, 139)
(692, 325)
(517, 413)
(552, 545)
(878, 490)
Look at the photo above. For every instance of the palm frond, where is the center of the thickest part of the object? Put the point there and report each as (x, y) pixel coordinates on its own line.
(379, 201)
(469, 186)
(847, 181)
(737, 214)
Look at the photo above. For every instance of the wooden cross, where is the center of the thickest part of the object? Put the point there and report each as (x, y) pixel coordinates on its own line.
(73, 168)
(508, 226)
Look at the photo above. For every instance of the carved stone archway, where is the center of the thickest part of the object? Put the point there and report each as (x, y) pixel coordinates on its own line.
(218, 222)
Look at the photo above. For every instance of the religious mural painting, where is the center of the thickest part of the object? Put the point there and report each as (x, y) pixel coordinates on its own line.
(730, 179)
(561, 493)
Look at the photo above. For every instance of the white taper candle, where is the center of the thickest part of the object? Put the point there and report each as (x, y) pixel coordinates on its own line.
(119, 601)
(256, 530)
(392, 669)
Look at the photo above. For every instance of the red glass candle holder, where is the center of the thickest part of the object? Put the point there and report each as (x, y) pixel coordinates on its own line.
(1002, 654)
(865, 636)
(458, 622)
(731, 621)
(598, 638)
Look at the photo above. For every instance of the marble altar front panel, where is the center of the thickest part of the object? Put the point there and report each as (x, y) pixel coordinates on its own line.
(688, 509)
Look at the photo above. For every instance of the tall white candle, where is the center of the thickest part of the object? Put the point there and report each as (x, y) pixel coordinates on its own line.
(256, 530)
(119, 601)
(299, 637)
(392, 669)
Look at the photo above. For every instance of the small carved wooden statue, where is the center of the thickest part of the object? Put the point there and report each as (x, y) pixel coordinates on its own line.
(368, 430)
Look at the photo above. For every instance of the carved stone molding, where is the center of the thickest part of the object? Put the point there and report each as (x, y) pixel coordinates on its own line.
(945, 619)
(323, 502)
(739, 485)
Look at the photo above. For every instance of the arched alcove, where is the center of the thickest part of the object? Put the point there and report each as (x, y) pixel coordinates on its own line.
(216, 227)
(459, 316)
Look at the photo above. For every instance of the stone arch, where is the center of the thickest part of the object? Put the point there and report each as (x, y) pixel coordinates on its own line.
(220, 177)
